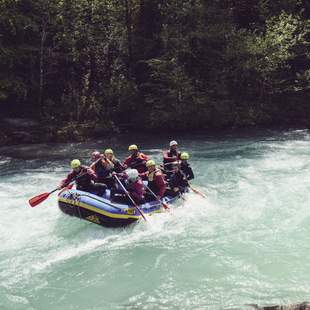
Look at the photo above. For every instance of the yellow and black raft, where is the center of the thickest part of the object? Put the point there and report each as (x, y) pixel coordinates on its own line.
(102, 211)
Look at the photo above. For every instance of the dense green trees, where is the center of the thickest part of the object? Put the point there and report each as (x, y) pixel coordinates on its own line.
(156, 64)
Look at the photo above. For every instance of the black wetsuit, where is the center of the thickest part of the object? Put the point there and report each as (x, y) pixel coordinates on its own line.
(177, 180)
(187, 170)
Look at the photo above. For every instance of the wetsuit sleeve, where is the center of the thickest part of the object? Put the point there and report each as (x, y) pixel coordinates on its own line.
(127, 161)
(94, 166)
(70, 177)
(184, 180)
(190, 173)
(92, 174)
(144, 157)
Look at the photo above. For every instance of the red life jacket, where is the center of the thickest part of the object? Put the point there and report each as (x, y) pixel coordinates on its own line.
(156, 182)
(170, 157)
(137, 162)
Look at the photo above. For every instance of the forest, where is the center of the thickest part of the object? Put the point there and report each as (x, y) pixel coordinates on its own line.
(184, 65)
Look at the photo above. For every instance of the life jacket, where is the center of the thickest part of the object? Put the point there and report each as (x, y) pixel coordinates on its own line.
(118, 167)
(137, 162)
(151, 175)
(170, 156)
(104, 168)
(156, 182)
(109, 164)
(83, 178)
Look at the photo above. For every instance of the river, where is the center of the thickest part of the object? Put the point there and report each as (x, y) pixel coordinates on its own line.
(248, 242)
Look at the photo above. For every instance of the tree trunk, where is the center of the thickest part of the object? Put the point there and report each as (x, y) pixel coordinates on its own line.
(41, 68)
(129, 35)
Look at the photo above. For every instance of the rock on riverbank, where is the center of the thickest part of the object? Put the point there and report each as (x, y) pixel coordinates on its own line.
(301, 306)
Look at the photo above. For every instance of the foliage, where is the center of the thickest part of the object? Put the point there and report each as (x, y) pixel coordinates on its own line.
(156, 64)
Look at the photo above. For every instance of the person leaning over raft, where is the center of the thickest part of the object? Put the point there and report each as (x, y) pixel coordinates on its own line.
(156, 180)
(185, 167)
(136, 160)
(177, 182)
(84, 178)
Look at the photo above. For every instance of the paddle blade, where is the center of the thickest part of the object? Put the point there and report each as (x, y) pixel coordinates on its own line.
(38, 199)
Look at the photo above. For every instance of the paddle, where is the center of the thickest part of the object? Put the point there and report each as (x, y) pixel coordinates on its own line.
(125, 190)
(163, 203)
(40, 198)
(196, 191)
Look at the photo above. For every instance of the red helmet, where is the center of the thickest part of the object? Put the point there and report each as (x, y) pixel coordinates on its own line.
(95, 155)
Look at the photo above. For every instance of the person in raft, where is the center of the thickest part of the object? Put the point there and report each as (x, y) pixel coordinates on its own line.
(178, 183)
(185, 167)
(133, 184)
(156, 181)
(171, 156)
(84, 178)
(116, 164)
(136, 160)
(95, 155)
(105, 165)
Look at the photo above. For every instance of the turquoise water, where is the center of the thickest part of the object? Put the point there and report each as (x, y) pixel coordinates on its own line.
(248, 242)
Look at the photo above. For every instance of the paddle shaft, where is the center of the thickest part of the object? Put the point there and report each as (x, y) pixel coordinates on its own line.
(127, 193)
(196, 191)
(56, 189)
(164, 205)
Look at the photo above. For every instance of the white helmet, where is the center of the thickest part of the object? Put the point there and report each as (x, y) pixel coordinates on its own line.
(133, 175)
(173, 142)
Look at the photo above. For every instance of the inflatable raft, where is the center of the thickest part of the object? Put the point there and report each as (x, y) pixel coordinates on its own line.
(102, 211)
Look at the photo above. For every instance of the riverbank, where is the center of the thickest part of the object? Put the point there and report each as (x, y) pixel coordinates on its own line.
(14, 131)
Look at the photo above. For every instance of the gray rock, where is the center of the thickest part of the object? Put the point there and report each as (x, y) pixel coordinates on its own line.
(301, 306)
